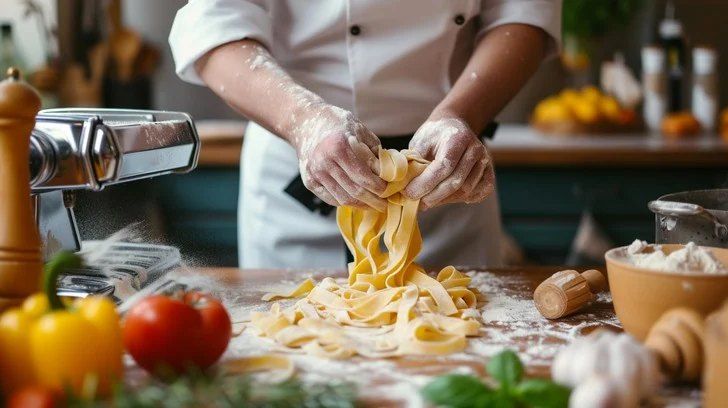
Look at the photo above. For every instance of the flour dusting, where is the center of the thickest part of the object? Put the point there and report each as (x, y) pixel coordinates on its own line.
(510, 320)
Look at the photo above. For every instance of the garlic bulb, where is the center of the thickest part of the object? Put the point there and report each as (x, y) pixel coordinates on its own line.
(596, 392)
(614, 367)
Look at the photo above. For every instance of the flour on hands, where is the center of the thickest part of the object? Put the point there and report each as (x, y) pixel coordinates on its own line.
(337, 158)
(337, 153)
(461, 169)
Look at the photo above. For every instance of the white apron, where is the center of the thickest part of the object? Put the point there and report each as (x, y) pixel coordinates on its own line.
(276, 231)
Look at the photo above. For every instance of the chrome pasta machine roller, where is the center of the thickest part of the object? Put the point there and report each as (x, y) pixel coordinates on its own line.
(89, 149)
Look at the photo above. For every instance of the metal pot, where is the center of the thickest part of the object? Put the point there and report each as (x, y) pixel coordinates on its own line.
(699, 216)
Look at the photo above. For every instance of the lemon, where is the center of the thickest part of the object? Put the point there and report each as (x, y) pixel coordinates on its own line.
(609, 107)
(591, 93)
(552, 110)
(586, 112)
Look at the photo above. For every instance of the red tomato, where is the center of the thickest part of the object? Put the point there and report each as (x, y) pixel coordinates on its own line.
(167, 333)
(34, 396)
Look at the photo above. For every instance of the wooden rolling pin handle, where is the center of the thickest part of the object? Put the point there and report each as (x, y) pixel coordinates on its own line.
(595, 280)
(567, 291)
(677, 337)
(20, 256)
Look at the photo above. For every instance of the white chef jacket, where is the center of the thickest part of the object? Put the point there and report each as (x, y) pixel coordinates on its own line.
(390, 62)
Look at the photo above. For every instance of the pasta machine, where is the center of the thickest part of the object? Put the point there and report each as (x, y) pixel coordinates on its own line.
(89, 149)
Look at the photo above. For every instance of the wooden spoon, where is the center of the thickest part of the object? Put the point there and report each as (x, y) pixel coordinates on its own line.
(124, 43)
(125, 46)
(147, 61)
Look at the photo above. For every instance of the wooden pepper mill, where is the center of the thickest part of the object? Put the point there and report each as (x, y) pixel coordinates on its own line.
(565, 292)
(20, 247)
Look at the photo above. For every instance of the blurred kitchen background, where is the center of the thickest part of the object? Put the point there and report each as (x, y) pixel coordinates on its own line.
(579, 153)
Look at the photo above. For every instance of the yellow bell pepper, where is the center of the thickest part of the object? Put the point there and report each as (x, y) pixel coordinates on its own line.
(77, 348)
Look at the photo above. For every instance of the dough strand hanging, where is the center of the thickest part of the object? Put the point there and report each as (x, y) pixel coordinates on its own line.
(389, 306)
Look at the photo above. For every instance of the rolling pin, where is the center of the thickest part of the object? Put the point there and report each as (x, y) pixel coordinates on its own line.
(715, 393)
(20, 247)
(565, 292)
(678, 337)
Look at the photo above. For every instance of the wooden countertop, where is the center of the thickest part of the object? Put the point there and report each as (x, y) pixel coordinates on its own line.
(510, 321)
(522, 146)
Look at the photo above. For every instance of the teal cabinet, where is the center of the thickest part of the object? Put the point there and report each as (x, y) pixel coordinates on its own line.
(542, 207)
(199, 211)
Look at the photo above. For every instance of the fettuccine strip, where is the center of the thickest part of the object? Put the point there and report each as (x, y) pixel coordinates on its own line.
(404, 310)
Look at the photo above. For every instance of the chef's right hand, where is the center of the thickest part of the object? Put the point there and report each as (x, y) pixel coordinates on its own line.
(337, 155)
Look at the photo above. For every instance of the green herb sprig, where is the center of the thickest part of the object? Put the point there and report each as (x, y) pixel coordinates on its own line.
(214, 391)
(590, 18)
(468, 391)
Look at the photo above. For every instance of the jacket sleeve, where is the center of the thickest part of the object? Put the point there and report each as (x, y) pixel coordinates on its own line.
(202, 25)
(545, 14)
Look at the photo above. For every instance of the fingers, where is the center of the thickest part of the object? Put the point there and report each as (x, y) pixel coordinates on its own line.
(477, 187)
(484, 188)
(321, 192)
(442, 167)
(365, 154)
(357, 192)
(474, 177)
(339, 193)
(469, 186)
(368, 138)
(359, 169)
(465, 169)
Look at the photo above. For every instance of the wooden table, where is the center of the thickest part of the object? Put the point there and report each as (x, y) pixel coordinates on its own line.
(510, 321)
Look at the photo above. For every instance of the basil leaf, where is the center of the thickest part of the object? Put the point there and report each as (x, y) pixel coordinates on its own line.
(506, 367)
(543, 394)
(498, 399)
(456, 391)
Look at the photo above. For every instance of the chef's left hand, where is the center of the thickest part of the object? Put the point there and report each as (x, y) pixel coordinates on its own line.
(460, 168)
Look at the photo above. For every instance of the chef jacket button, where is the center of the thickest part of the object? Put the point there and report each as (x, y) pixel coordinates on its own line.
(459, 19)
(355, 30)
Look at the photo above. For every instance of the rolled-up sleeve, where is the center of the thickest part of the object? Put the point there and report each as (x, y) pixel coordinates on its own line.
(545, 14)
(202, 25)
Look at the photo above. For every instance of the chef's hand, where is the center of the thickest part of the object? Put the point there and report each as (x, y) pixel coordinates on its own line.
(336, 155)
(460, 171)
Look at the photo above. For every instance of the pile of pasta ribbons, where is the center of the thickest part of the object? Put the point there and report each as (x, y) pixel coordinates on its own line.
(389, 306)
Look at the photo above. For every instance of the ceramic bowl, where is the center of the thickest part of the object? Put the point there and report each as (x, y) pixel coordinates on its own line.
(641, 295)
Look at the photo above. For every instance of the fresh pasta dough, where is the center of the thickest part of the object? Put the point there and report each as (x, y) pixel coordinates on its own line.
(389, 306)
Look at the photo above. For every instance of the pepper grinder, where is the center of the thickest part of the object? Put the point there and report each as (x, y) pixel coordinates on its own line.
(565, 292)
(20, 247)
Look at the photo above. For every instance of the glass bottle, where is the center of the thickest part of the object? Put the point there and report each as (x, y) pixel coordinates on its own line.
(9, 56)
(705, 87)
(654, 83)
(673, 41)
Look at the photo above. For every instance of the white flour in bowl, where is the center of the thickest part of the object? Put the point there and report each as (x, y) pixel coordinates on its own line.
(690, 260)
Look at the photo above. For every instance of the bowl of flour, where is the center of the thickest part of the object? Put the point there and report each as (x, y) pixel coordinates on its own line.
(646, 280)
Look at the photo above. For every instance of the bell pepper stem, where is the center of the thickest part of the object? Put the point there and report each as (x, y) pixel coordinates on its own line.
(60, 262)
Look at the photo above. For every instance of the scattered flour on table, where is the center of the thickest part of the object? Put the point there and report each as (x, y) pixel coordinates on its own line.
(691, 259)
(508, 319)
